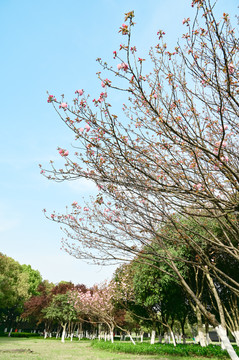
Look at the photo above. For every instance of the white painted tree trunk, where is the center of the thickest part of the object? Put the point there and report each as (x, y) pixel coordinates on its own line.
(141, 337)
(112, 336)
(226, 342)
(152, 341)
(225, 334)
(201, 337)
(208, 340)
(166, 339)
(63, 333)
(173, 338)
(180, 339)
(236, 336)
(160, 338)
(9, 334)
(201, 334)
(105, 336)
(99, 331)
(45, 334)
(132, 340)
(72, 336)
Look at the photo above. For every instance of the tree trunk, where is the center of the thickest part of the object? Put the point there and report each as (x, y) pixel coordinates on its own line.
(63, 332)
(236, 336)
(201, 335)
(132, 340)
(166, 338)
(219, 306)
(173, 337)
(152, 340)
(99, 331)
(226, 342)
(208, 340)
(184, 339)
(112, 335)
(141, 336)
(80, 331)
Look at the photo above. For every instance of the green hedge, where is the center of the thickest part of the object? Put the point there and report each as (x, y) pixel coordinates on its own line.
(163, 349)
(20, 334)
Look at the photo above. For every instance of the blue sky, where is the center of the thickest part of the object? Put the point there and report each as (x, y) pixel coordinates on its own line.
(52, 45)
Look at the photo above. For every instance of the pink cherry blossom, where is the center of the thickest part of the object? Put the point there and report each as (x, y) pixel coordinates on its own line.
(231, 68)
(80, 92)
(63, 106)
(225, 127)
(81, 129)
(124, 66)
(51, 98)
(63, 152)
(87, 127)
(198, 186)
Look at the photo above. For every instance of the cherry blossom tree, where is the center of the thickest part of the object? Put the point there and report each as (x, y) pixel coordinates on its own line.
(98, 305)
(171, 160)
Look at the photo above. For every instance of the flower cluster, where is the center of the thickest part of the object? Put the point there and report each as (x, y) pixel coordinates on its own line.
(123, 66)
(51, 98)
(63, 105)
(124, 29)
(79, 92)
(63, 152)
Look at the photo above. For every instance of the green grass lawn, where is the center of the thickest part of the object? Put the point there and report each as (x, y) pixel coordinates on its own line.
(40, 349)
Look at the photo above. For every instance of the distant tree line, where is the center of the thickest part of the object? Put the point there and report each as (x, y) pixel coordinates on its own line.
(138, 300)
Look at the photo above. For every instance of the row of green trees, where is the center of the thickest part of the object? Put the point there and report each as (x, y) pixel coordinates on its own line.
(18, 283)
(138, 299)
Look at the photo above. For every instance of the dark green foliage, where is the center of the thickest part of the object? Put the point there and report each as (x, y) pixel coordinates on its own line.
(189, 350)
(20, 335)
